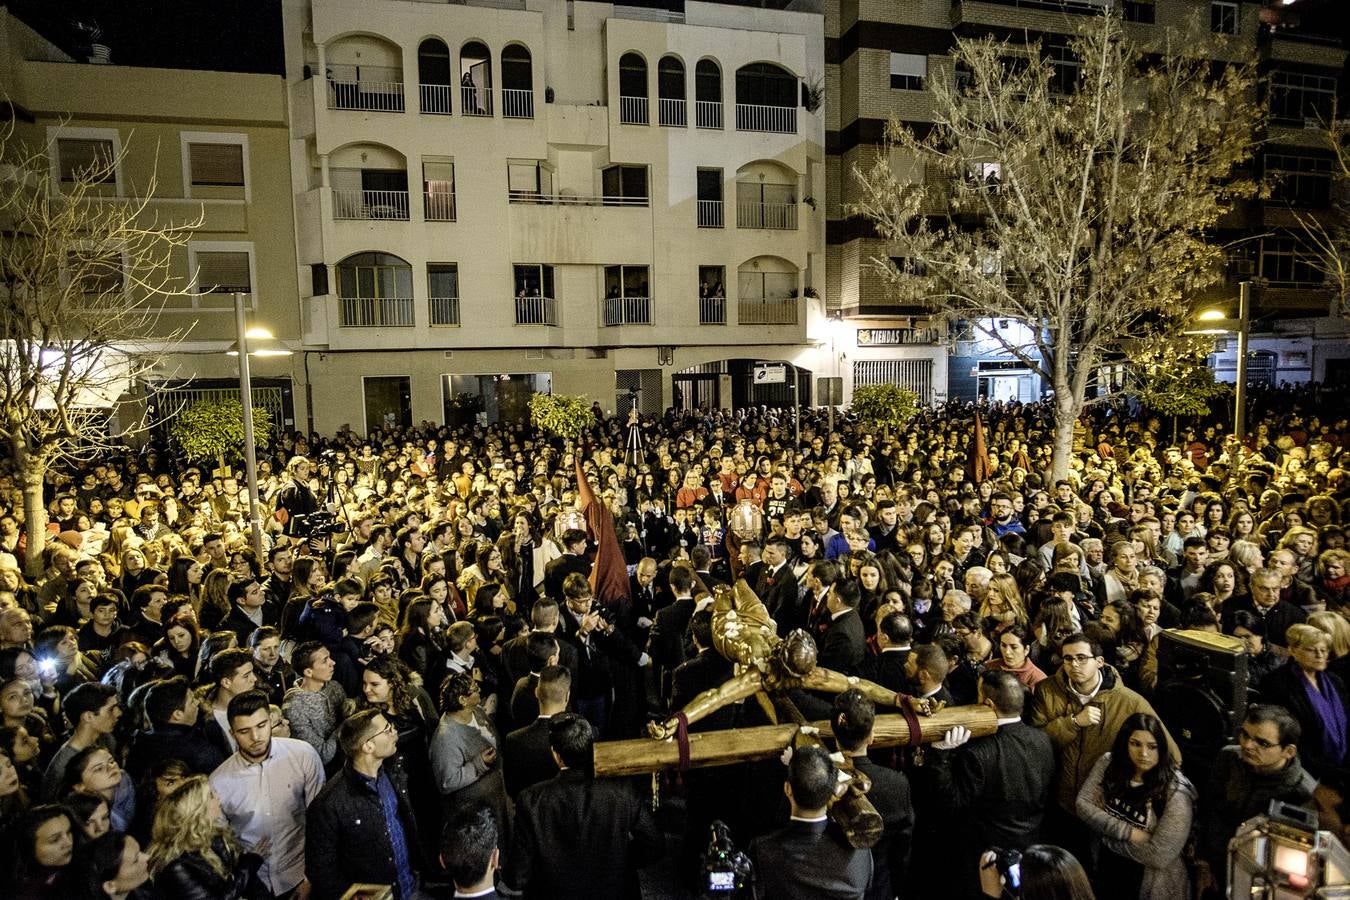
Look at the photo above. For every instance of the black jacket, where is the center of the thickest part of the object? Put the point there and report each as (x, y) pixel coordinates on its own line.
(346, 840)
(779, 591)
(890, 797)
(704, 672)
(887, 669)
(516, 659)
(557, 570)
(844, 645)
(527, 759)
(580, 836)
(1286, 687)
(189, 744)
(666, 642)
(809, 861)
(190, 877)
(1277, 619)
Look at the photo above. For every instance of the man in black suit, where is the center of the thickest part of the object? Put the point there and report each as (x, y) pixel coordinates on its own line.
(808, 859)
(526, 758)
(927, 667)
(469, 853)
(642, 601)
(705, 670)
(572, 560)
(601, 651)
(1266, 604)
(752, 561)
(543, 620)
(820, 577)
(852, 721)
(997, 786)
(844, 645)
(777, 587)
(577, 835)
(887, 668)
(524, 708)
(666, 643)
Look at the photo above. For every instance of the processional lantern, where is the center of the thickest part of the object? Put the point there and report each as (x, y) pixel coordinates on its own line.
(746, 521)
(1282, 856)
(568, 520)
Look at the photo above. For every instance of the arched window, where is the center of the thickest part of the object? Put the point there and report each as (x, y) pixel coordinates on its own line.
(517, 83)
(670, 90)
(475, 79)
(433, 76)
(633, 90)
(707, 94)
(374, 290)
(766, 292)
(766, 98)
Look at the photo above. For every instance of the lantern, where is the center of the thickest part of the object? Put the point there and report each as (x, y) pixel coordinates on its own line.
(746, 521)
(567, 520)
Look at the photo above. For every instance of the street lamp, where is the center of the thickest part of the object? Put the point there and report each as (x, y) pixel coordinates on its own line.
(1215, 321)
(241, 349)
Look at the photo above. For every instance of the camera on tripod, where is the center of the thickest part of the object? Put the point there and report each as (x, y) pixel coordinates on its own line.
(317, 525)
(726, 872)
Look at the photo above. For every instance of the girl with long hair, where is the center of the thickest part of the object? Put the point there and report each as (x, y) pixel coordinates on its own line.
(180, 647)
(185, 578)
(93, 770)
(43, 843)
(215, 599)
(193, 854)
(421, 641)
(1140, 807)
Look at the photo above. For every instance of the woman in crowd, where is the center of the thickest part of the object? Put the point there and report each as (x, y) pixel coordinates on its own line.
(193, 855)
(13, 794)
(91, 814)
(185, 580)
(1003, 604)
(43, 844)
(1014, 656)
(95, 771)
(27, 755)
(1317, 698)
(215, 600)
(111, 867)
(1333, 578)
(421, 637)
(463, 752)
(180, 647)
(1140, 808)
(1261, 658)
(1225, 580)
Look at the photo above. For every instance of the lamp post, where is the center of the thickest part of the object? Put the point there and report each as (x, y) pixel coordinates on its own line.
(1216, 322)
(242, 335)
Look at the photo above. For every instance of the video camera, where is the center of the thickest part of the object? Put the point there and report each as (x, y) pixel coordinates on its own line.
(317, 525)
(726, 872)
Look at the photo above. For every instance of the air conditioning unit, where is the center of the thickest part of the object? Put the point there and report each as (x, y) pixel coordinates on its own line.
(449, 354)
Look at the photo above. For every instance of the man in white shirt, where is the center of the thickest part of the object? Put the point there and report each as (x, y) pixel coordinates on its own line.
(264, 789)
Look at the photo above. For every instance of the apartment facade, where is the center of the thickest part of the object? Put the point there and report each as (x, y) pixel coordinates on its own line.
(882, 59)
(504, 197)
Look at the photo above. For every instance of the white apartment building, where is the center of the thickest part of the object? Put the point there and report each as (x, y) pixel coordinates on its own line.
(506, 196)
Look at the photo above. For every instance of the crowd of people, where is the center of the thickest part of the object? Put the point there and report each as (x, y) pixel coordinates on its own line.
(405, 687)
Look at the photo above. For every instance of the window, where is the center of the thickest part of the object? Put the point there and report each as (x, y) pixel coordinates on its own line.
(907, 266)
(443, 293)
(1065, 67)
(215, 165)
(766, 205)
(529, 180)
(88, 154)
(438, 190)
(221, 268)
(908, 70)
(1223, 16)
(534, 280)
(1301, 180)
(712, 295)
(1284, 261)
(710, 198)
(1301, 97)
(624, 185)
(627, 296)
(96, 272)
(375, 290)
(534, 298)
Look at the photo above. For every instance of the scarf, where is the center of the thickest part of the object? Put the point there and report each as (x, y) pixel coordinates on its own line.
(1326, 702)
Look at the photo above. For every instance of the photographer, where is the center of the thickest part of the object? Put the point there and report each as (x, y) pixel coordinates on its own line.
(296, 499)
(1042, 872)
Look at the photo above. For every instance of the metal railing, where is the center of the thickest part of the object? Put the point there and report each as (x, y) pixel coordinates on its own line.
(633, 111)
(371, 96)
(628, 311)
(774, 119)
(671, 113)
(710, 214)
(438, 206)
(536, 311)
(434, 99)
(780, 216)
(708, 113)
(539, 199)
(443, 310)
(475, 101)
(391, 205)
(712, 310)
(766, 311)
(375, 312)
(517, 103)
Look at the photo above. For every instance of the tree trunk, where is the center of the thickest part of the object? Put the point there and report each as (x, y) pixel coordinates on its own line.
(1066, 414)
(34, 514)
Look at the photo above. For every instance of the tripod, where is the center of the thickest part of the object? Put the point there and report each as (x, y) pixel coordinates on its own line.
(633, 453)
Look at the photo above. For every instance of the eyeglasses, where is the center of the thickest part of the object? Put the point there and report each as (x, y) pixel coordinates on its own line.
(1078, 659)
(1246, 737)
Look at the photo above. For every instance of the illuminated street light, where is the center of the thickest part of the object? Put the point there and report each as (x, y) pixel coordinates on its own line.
(1217, 322)
(242, 349)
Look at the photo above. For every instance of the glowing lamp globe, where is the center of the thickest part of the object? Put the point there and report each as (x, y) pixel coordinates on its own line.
(567, 520)
(746, 521)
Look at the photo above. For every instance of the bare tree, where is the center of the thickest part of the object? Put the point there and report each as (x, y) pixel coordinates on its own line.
(1072, 194)
(84, 277)
(1326, 234)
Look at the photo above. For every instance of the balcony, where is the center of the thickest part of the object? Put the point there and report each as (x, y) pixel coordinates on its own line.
(536, 198)
(443, 310)
(475, 101)
(633, 111)
(712, 310)
(375, 312)
(369, 96)
(628, 311)
(438, 206)
(772, 119)
(386, 205)
(434, 99)
(517, 104)
(671, 113)
(775, 216)
(767, 311)
(710, 214)
(708, 113)
(536, 311)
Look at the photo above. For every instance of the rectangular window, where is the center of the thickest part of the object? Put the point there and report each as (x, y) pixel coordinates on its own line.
(627, 296)
(908, 71)
(908, 266)
(94, 272)
(1301, 98)
(223, 272)
(1301, 180)
(762, 205)
(216, 165)
(528, 180)
(712, 295)
(438, 190)
(86, 158)
(1223, 17)
(1064, 65)
(533, 280)
(1285, 262)
(624, 185)
(443, 293)
(710, 198)
(626, 281)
